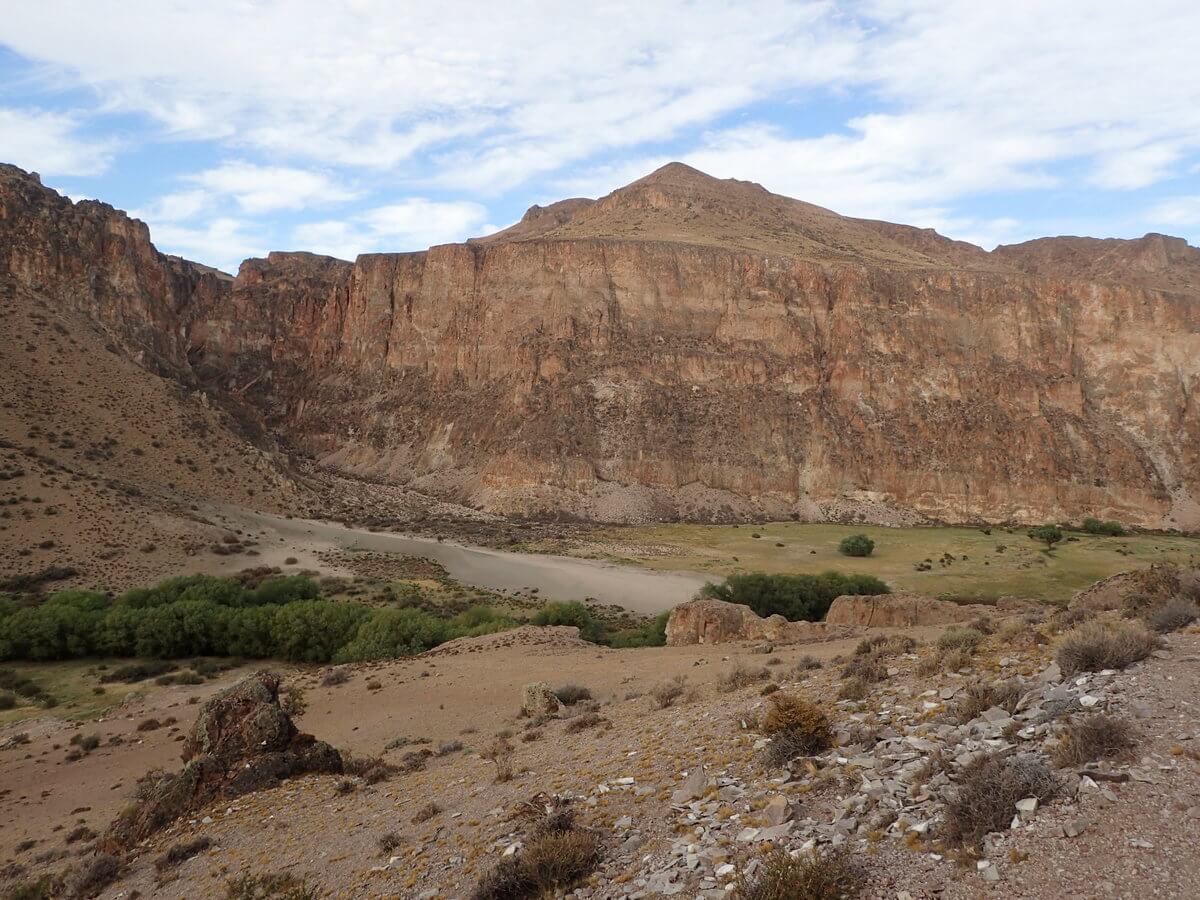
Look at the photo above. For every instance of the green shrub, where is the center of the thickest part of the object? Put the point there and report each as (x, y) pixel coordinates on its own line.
(7, 700)
(573, 613)
(652, 633)
(856, 545)
(795, 597)
(1109, 528)
(314, 630)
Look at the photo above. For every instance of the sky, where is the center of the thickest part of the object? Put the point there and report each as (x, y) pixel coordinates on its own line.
(235, 127)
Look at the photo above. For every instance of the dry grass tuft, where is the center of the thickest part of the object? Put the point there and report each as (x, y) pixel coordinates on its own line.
(979, 696)
(551, 861)
(1095, 646)
(570, 694)
(831, 875)
(796, 728)
(987, 791)
(667, 692)
(1094, 737)
(180, 853)
(500, 754)
(959, 638)
(740, 676)
(1173, 615)
(854, 689)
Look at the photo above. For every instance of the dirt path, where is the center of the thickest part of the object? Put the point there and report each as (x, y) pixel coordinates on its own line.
(554, 577)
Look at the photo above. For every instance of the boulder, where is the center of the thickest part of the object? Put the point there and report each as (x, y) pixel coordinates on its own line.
(900, 610)
(242, 741)
(717, 622)
(538, 699)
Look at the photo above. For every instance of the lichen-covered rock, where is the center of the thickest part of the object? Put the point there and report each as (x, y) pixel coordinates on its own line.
(242, 741)
(538, 699)
(716, 622)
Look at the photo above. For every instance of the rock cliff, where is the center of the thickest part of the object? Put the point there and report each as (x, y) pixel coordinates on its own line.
(688, 347)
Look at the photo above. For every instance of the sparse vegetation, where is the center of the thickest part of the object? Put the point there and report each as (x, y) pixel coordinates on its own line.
(1096, 645)
(855, 688)
(740, 676)
(269, 886)
(181, 852)
(551, 860)
(500, 754)
(425, 813)
(978, 696)
(959, 638)
(570, 694)
(1094, 737)
(1173, 615)
(665, 693)
(817, 875)
(987, 790)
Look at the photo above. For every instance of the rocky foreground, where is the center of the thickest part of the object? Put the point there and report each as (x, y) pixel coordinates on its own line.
(998, 756)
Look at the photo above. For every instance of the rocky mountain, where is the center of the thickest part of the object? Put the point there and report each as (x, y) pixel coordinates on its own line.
(685, 346)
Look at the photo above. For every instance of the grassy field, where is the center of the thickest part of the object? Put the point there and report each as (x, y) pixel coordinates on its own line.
(73, 683)
(965, 562)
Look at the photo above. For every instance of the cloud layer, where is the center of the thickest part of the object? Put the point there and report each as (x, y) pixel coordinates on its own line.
(355, 124)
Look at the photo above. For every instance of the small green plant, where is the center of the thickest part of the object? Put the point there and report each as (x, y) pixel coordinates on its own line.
(856, 545)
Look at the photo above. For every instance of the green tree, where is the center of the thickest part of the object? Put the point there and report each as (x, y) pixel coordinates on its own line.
(573, 613)
(1047, 534)
(856, 545)
(314, 630)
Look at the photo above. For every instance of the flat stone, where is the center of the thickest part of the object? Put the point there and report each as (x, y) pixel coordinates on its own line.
(693, 787)
(778, 810)
(1076, 827)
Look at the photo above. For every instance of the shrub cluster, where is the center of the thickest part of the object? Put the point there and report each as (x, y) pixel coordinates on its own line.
(856, 545)
(795, 597)
(202, 615)
(1109, 528)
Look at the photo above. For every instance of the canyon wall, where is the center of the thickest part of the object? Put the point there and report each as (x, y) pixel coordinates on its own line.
(629, 378)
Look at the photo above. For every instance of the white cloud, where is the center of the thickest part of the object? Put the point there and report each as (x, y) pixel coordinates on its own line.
(261, 189)
(175, 207)
(48, 143)
(535, 87)
(412, 224)
(224, 242)
(1183, 210)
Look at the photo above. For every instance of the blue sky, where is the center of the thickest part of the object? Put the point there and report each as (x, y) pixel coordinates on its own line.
(243, 126)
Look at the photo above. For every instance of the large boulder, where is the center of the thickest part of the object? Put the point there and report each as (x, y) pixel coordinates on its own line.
(716, 622)
(899, 610)
(242, 741)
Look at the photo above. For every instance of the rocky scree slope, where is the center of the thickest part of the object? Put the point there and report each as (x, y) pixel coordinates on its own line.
(691, 347)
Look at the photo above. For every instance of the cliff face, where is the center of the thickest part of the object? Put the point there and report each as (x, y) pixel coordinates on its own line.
(656, 353)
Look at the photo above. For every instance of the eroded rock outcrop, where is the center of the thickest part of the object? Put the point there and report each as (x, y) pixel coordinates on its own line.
(687, 347)
(717, 622)
(899, 610)
(242, 741)
(1140, 587)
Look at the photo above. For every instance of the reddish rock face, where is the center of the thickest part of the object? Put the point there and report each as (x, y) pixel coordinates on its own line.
(691, 347)
(717, 622)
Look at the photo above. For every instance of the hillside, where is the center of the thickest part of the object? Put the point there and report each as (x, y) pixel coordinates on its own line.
(685, 347)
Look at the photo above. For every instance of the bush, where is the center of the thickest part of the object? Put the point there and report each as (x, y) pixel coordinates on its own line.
(795, 597)
(828, 875)
(856, 545)
(804, 726)
(93, 875)
(957, 638)
(8, 700)
(500, 754)
(980, 696)
(1094, 646)
(987, 792)
(553, 860)
(314, 630)
(570, 694)
(1094, 737)
(395, 632)
(1173, 615)
(181, 852)
(570, 614)
(1109, 528)
(855, 688)
(665, 693)
(652, 633)
(741, 676)
(269, 886)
